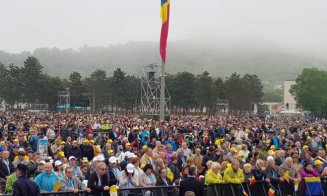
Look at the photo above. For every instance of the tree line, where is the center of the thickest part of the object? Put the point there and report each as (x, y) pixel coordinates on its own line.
(189, 92)
(310, 91)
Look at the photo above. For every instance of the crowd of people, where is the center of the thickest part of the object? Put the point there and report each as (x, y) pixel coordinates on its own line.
(91, 153)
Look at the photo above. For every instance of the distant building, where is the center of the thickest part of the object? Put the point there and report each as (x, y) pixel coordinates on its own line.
(289, 101)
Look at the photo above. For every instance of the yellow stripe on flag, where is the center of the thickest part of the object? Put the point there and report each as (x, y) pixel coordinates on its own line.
(164, 12)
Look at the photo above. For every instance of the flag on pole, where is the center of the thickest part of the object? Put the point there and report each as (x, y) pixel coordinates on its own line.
(252, 180)
(244, 192)
(272, 190)
(164, 14)
(287, 176)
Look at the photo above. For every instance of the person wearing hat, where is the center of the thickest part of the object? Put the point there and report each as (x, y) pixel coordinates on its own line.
(75, 151)
(23, 186)
(128, 179)
(59, 169)
(6, 166)
(87, 150)
(21, 158)
(14, 152)
(40, 168)
(76, 168)
(113, 167)
(319, 167)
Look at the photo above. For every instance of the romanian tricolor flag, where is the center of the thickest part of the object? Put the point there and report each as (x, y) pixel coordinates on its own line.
(164, 14)
(313, 186)
(244, 192)
(252, 180)
(271, 191)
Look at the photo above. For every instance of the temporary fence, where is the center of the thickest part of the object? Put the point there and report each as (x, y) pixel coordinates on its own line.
(259, 188)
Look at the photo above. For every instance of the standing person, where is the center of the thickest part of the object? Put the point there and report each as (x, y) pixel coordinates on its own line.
(24, 186)
(98, 181)
(34, 140)
(191, 183)
(21, 158)
(6, 166)
(75, 151)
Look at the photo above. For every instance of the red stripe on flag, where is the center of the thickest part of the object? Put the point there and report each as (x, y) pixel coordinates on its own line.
(164, 37)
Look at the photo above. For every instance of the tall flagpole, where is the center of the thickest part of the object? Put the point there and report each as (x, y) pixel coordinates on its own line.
(162, 92)
(164, 14)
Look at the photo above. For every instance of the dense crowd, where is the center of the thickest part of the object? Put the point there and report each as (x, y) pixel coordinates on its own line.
(88, 152)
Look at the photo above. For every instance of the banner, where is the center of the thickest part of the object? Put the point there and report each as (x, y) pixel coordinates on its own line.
(43, 147)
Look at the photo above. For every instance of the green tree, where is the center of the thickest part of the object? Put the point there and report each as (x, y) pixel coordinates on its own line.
(234, 94)
(181, 89)
(76, 86)
(204, 92)
(252, 90)
(12, 90)
(97, 85)
(3, 79)
(31, 79)
(49, 93)
(310, 91)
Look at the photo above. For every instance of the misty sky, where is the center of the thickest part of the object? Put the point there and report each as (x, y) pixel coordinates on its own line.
(30, 24)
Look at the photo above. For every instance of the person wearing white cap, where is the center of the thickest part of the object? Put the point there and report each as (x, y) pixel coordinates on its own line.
(128, 179)
(98, 159)
(76, 169)
(59, 170)
(40, 168)
(113, 167)
(128, 157)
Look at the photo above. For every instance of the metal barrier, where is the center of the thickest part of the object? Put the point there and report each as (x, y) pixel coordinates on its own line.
(260, 188)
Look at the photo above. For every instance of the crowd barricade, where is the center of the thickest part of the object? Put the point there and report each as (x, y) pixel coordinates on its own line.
(260, 188)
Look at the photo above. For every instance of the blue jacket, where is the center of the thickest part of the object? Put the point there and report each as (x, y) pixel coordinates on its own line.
(33, 141)
(172, 143)
(46, 182)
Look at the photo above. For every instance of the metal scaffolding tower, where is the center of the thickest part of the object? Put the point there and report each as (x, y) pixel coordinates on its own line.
(64, 100)
(150, 92)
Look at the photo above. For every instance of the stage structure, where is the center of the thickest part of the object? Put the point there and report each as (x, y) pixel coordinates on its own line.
(64, 100)
(150, 93)
(2, 107)
(37, 107)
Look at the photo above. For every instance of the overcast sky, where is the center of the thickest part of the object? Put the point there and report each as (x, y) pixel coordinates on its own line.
(30, 24)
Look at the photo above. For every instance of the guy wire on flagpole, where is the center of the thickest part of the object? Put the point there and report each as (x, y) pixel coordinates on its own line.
(162, 92)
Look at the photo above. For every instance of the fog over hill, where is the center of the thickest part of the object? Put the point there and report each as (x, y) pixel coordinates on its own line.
(268, 60)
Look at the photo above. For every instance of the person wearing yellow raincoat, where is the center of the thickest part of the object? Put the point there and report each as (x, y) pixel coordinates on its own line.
(212, 178)
(233, 175)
